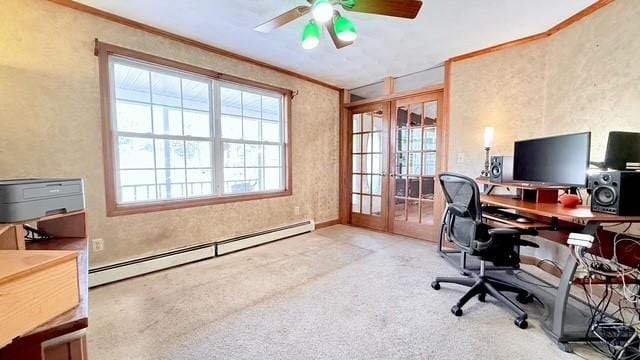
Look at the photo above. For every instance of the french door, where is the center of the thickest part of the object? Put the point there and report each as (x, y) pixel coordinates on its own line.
(369, 152)
(393, 161)
(413, 161)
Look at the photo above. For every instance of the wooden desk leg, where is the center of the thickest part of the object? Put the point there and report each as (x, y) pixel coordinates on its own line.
(564, 289)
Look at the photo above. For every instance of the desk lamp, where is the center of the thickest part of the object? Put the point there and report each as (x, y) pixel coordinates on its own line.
(489, 133)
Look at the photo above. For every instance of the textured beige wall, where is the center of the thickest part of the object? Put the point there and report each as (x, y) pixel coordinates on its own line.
(585, 77)
(505, 90)
(50, 126)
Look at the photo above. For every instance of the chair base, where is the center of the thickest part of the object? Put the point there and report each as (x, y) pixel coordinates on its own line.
(481, 285)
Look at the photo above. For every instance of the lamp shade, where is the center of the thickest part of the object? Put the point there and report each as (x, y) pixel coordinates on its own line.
(489, 134)
(311, 36)
(344, 29)
(322, 11)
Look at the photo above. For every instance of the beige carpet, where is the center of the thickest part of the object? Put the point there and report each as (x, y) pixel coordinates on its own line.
(338, 293)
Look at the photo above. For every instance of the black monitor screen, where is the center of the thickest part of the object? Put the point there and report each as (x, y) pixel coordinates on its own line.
(557, 160)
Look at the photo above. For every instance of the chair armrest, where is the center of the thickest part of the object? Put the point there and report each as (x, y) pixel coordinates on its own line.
(495, 232)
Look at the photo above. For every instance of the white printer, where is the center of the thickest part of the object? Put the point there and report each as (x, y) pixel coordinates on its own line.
(25, 199)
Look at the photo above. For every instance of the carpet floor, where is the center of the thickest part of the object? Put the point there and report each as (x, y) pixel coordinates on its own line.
(337, 293)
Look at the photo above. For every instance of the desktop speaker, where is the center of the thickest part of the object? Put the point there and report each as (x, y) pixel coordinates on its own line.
(501, 169)
(615, 192)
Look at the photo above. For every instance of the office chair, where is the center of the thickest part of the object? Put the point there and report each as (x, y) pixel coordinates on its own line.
(501, 246)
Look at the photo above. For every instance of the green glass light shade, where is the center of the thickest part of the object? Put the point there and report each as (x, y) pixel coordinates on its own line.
(344, 29)
(311, 36)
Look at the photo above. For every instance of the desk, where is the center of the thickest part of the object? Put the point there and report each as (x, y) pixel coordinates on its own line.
(556, 218)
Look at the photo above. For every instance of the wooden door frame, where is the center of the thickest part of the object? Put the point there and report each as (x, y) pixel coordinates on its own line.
(348, 171)
(345, 151)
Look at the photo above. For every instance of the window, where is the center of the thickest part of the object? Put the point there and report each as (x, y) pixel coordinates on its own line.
(178, 136)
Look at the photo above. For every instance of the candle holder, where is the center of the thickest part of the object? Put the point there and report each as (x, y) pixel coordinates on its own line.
(485, 171)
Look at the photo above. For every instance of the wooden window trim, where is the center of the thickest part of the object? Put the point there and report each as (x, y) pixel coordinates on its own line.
(103, 51)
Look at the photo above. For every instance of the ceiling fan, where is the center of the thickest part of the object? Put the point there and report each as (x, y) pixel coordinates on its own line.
(341, 29)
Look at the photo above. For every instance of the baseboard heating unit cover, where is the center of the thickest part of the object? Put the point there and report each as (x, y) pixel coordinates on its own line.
(144, 265)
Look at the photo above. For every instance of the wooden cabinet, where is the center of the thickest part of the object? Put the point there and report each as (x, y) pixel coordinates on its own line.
(63, 337)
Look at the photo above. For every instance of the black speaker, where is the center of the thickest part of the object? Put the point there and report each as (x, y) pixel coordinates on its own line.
(615, 192)
(501, 169)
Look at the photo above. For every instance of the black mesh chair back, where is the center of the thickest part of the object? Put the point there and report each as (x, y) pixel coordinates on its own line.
(463, 214)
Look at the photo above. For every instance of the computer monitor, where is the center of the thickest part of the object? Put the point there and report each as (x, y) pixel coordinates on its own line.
(556, 160)
(623, 151)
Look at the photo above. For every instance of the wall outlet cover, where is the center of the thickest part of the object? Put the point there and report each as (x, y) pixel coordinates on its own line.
(98, 245)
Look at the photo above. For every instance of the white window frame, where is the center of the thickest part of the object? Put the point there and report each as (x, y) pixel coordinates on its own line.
(215, 138)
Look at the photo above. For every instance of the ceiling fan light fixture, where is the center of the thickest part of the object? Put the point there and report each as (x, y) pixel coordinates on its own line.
(344, 28)
(322, 11)
(311, 36)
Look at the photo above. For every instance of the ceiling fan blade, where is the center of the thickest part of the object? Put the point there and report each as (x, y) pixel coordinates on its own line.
(283, 19)
(336, 41)
(398, 8)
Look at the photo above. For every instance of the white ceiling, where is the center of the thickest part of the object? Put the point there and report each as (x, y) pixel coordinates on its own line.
(386, 46)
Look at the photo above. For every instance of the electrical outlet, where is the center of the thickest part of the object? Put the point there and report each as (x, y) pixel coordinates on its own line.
(296, 210)
(98, 245)
(460, 158)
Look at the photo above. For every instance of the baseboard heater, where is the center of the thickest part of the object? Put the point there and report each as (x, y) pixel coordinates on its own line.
(144, 265)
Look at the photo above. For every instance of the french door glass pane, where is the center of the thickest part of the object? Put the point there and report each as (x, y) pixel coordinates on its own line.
(355, 203)
(366, 204)
(357, 123)
(356, 183)
(367, 122)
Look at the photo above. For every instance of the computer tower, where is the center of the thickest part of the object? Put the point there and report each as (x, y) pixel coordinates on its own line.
(501, 169)
(615, 192)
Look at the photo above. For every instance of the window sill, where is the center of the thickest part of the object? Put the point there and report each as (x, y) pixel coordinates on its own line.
(121, 210)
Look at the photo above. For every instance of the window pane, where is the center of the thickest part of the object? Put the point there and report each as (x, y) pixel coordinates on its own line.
(196, 123)
(230, 101)
(415, 140)
(251, 105)
(366, 204)
(132, 117)
(169, 154)
(356, 165)
(252, 180)
(233, 155)
(376, 163)
(195, 95)
(272, 179)
(429, 142)
(253, 155)
(414, 163)
(199, 182)
(355, 203)
(429, 165)
(376, 205)
(270, 131)
(167, 120)
(356, 183)
(137, 177)
(376, 185)
(165, 90)
(377, 122)
(234, 180)
(366, 122)
(270, 108)
(357, 139)
(231, 127)
(272, 155)
(171, 183)
(251, 129)
(198, 154)
(357, 123)
(135, 153)
(131, 83)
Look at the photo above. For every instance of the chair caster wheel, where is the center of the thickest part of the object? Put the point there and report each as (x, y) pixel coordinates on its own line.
(435, 285)
(455, 310)
(524, 299)
(482, 297)
(521, 323)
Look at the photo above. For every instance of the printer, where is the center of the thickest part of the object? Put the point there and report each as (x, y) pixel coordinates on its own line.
(26, 199)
